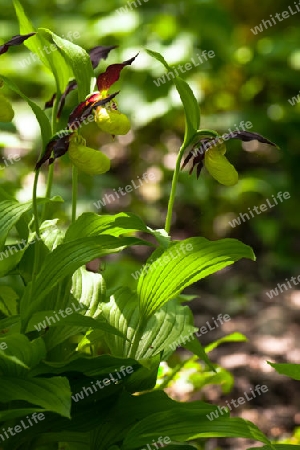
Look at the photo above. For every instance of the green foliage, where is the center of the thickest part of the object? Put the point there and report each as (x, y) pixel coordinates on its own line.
(50, 364)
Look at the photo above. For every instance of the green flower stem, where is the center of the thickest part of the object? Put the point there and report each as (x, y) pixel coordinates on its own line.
(74, 191)
(51, 166)
(173, 188)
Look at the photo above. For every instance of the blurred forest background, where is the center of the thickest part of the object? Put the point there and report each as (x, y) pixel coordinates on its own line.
(251, 78)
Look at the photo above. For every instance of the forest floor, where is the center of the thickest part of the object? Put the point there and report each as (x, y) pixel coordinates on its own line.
(271, 327)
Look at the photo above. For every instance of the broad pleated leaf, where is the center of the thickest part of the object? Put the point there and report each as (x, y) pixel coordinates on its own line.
(87, 365)
(20, 355)
(8, 300)
(187, 425)
(15, 413)
(117, 425)
(157, 335)
(177, 268)
(10, 257)
(10, 213)
(91, 224)
(89, 289)
(63, 261)
(52, 394)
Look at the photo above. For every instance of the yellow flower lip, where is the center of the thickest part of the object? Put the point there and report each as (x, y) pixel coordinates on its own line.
(88, 160)
(112, 121)
(219, 167)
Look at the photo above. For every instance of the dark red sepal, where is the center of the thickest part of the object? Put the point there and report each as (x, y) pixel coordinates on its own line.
(112, 74)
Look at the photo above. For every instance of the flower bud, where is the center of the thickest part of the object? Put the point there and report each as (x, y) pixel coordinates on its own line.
(88, 160)
(112, 121)
(6, 111)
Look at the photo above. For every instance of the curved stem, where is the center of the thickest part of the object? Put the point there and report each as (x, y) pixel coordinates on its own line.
(74, 191)
(204, 132)
(173, 188)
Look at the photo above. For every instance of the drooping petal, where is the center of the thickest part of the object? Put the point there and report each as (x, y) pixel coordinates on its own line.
(71, 86)
(112, 74)
(88, 160)
(59, 145)
(247, 136)
(100, 52)
(6, 110)
(197, 153)
(15, 40)
(85, 108)
(219, 167)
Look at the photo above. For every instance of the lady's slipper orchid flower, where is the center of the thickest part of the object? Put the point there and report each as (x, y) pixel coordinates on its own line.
(107, 117)
(209, 152)
(86, 159)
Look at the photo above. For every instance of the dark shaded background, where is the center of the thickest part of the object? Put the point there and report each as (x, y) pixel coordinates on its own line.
(251, 79)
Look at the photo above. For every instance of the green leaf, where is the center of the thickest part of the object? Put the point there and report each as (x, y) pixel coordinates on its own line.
(233, 337)
(8, 300)
(9, 321)
(20, 355)
(63, 261)
(53, 60)
(91, 224)
(178, 267)
(76, 57)
(89, 289)
(39, 113)
(290, 370)
(188, 424)
(89, 366)
(156, 335)
(15, 413)
(53, 394)
(116, 425)
(9, 258)
(10, 213)
(74, 319)
(190, 104)
(51, 234)
(195, 347)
